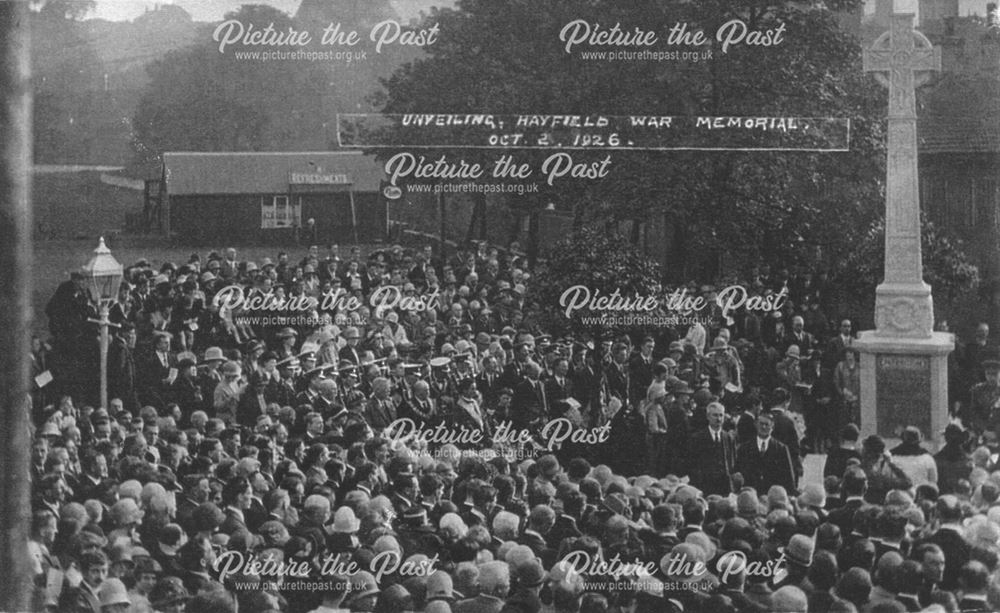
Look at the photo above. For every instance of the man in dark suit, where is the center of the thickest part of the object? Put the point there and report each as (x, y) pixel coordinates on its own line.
(68, 310)
(949, 538)
(121, 367)
(488, 381)
(617, 374)
(975, 581)
(765, 461)
(588, 381)
(853, 490)
(640, 368)
(540, 521)
(529, 403)
(154, 369)
(932, 561)
(418, 274)
(515, 371)
(380, 410)
(746, 422)
(237, 495)
(835, 347)
(566, 525)
(661, 539)
(909, 580)
(559, 387)
(972, 356)
(713, 454)
(420, 407)
(784, 428)
(798, 336)
(84, 598)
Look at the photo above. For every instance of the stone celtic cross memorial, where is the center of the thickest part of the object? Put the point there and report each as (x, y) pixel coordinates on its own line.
(904, 379)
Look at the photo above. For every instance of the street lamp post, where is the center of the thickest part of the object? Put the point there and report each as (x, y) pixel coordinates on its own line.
(105, 276)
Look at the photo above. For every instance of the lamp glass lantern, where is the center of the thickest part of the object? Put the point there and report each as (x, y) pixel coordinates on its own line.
(104, 273)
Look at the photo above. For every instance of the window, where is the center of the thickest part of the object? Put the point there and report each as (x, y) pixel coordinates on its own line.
(279, 212)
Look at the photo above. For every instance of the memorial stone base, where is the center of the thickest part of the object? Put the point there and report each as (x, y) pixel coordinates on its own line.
(904, 382)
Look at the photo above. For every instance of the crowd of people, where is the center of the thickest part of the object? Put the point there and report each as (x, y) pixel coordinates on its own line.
(395, 432)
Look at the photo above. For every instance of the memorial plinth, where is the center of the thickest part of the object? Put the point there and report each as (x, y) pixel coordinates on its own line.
(904, 363)
(904, 382)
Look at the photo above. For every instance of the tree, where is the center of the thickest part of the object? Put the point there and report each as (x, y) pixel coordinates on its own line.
(203, 100)
(947, 268)
(504, 57)
(67, 82)
(603, 263)
(64, 9)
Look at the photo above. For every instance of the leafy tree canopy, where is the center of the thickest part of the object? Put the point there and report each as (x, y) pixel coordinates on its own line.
(601, 262)
(505, 57)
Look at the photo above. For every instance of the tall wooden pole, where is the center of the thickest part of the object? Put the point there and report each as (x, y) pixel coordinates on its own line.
(15, 313)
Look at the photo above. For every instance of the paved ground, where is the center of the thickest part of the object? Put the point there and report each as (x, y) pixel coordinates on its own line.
(812, 469)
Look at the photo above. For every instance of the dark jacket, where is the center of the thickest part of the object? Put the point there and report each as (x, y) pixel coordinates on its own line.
(953, 465)
(711, 463)
(774, 468)
(836, 461)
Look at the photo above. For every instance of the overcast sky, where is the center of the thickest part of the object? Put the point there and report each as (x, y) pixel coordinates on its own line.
(213, 10)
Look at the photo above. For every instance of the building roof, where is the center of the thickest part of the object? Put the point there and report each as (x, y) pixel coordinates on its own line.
(958, 113)
(940, 133)
(191, 173)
